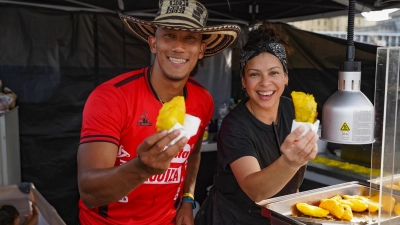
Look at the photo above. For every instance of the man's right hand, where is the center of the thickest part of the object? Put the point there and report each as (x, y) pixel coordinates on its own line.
(151, 156)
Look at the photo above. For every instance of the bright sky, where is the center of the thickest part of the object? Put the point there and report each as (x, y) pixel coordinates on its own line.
(378, 15)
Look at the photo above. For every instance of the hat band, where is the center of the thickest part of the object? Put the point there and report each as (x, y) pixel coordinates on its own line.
(180, 20)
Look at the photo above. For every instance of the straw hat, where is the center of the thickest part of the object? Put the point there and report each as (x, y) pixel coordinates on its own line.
(185, 15)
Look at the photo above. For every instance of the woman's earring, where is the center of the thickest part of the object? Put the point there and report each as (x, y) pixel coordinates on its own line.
(243, 88)
(286, 85)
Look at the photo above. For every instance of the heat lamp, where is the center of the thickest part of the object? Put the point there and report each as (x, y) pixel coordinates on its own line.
(348, 115)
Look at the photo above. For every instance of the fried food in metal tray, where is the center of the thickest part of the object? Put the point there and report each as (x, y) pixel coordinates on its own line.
(286, 205)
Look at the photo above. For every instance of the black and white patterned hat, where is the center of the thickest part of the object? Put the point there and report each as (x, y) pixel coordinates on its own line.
(185, 15)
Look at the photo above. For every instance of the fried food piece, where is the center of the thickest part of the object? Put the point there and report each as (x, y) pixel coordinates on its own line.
(311, 210)
(333, 206)
(347, 214)
(305, 107)
(372, 206)
(171, 112)
(337, 197)
(357, 205)
(387, 202)
(397, 209)
(393, 186)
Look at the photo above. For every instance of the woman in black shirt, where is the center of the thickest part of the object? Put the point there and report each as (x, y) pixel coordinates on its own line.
(258, 156)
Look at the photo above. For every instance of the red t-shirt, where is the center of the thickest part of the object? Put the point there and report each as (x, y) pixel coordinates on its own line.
(123, 111)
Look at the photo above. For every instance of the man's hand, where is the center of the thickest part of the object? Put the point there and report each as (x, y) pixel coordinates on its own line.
(152, 157)
(184, 216)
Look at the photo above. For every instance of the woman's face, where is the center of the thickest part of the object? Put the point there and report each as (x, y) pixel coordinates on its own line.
(264, 79)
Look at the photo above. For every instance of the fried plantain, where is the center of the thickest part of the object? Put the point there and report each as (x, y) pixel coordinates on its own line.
(356, 205)
(397, 209)
(311, 210)
(387, 202)
(347, 214)
(333, 206)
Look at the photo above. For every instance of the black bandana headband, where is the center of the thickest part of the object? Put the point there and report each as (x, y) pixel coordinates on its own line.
(252, 50)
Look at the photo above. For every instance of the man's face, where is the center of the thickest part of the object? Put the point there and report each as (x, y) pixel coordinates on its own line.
(176, 52)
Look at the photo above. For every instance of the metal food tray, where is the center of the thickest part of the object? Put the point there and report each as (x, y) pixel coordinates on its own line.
(286, 205)
(375, 183)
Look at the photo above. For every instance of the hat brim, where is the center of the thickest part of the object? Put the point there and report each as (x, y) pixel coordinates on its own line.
(218, 37)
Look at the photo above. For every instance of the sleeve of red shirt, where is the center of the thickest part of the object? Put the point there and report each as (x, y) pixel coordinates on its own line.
(103, 115)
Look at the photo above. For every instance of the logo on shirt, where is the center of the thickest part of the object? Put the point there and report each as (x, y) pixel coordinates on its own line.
(122, 152)
(182, 155)
(172, 176)
(122, 155)
(144, 121)
(174, 173)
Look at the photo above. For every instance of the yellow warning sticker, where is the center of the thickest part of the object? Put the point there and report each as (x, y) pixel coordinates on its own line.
(345, 127)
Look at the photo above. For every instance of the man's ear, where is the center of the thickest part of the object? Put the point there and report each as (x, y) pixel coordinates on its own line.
(203, 49)
(152, 43)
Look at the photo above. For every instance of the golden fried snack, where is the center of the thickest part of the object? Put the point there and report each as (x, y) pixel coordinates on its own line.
(372, 206)
(333, 206)
(171, 112)
(305, 107)
(311, 210)
(397, 209)
(347, 214)
(337, 197)
(393, 186)
(357, 205)
(387, 202)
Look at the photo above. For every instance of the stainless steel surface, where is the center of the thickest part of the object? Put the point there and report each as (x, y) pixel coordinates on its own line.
(386, 182)
(285, 205)
(348, 115)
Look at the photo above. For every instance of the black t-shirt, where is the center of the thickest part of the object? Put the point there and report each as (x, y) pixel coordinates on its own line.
(242, 134)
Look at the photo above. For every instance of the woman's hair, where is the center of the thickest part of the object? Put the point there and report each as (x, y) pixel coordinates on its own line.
(266, 31)
(265, 38)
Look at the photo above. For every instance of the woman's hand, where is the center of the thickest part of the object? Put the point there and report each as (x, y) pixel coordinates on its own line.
(298, 152)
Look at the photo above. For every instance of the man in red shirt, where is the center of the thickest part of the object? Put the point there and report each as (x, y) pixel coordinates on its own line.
(124, 174)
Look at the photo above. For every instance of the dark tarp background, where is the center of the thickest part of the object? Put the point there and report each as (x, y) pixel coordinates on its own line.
(53, 59)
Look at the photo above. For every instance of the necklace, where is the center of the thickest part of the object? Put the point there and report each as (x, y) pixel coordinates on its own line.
(183, 93)
(160, 99)
(261, 119)
(152, 88)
